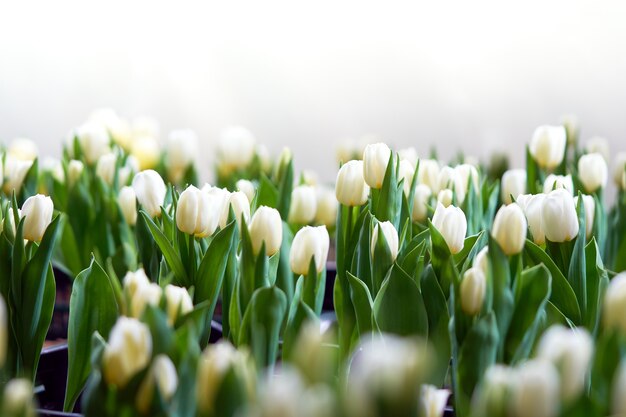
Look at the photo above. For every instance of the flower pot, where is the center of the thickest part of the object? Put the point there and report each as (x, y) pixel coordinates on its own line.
(331, 273)
(51, 379)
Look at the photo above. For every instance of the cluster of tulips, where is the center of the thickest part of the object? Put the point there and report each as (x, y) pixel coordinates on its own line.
(463, 287)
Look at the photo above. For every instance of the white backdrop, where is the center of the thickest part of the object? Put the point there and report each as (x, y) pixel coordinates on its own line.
(474, 75)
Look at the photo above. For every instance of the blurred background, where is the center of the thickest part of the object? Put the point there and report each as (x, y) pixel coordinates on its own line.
(474, 76)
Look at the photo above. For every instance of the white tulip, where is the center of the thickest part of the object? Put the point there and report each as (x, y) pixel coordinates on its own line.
(547, 146)
(266, 227)
(473, 287)
(75, 169)
(570, 351)
(452, 224)
(408, 154)
(246, 187)
(241, 207)
(599, 145)
(127, 201)
(327, 206)
(481, 260)
(150, 191)
(50, 166)
(118, 128)
(433, 401)
(182, 148)
(406, 171)
(428, 174)
(94, 141)
(536, 390)
(445, 197)
(37, 214)
(309, 243)
(197, 213)
(619, 170)
(494, 394)
(513, 184)
(554, 182)
(532, 206)
(221, 195)
(467, 173)
(593, 172)
(590, 211)
(23, 149)
(146, 126)
(134, 280)
(178, 302)
(509, 229)
(572, 127)
(15, 171)
(347, 150)
(147, 151)
(375, 160)
(106, 167)
(18, 398)
(351, 189)
(235, 148)
(144, 296)
(309, 177)
(391, 237)
(303, 205)
(128, 351)
(614, 307)
(618, 394)
(559, 219)
(4, 332)
(421, 200)
(163, 374)
(449, 178)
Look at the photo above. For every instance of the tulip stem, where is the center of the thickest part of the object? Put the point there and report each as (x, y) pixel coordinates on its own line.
(192, 257)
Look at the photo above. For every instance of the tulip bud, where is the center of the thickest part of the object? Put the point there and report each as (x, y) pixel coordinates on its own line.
(309, 243)
(554, 182)
(467, 172)
(246, 187)
(37, 213)
(619, 169)
(128, 351)
(375, 159)
(4, 334)
(408, 154)
(163, 374)
(75, 169)
(619, 390)
(421, 199)
(150, 191)
(144, 296)
(94, 141)
(147, 151)
(433, 401)
(197, 213)
(127, 201)
(118, 128)
(572, 127)
(303, 205)
(240, 205)
(391, 237)
(351, 189)
(445, 197)
(481, 261)
(15, 172)
(23, 149)
(266, 227)
(449, 178)
(406, 171)
(570, 351)
(509, 229)
(452, 224)
(327, 206)
(547, 146)
(106, 167)
(235, 148)
(513, 184)
(559, 219)
(182, 148)
(599, 145)
(532, 206)
(593, 171)
(134, 280)
(347, 150)
(493, 396)
(428, 174)
(221, 195)
(473, 287)
(178, 302)
(614, 307)
(309, 177)
(590, 211)
(536, 390)
(18, 399)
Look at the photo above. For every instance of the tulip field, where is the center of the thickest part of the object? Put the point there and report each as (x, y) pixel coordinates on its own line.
(411, 286)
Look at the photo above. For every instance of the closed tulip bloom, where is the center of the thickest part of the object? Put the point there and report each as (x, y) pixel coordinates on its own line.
(449, 178)
(445, 197)
(15, 171)
(240, 205)
(246, 187)
(619, 168)
(94, 141)
(182, 148)
(599, 145)
(433, 401)
(351, 189)
(75, 169)
(309, 243)
(221, 195)
(147, 151)
(196, 213)
(303, 205)
(4, 333)
(536, 390)
(128, 204)
(391, 237)
(235, 149)
(106, 167)
(473, 287)
(614, 307)
(128, 351)
(570, 351)
(559, 219)
(554, 182)
(150, 191)
(421, 199)
(493, 396)
(375, 159)
(509, 229)
(452, 224)
(118, 128)
(408, 154)
(266, 227)
(593, 172)
(572, 127)
(428, 174)
(467, 173)
(590, 211)
(513, 184)
(133, 281)
(163, 374)
(547, 146)
(481, 261)
(17, 399)
(23, 149)
(327, 205)
(37, 213)
(406, 171)
(178, 302)
(144, 296)
(532, 206)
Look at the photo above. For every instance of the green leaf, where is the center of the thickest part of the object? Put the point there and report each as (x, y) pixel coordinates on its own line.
(597, 282)
(363, 304)
(299, 313)
(266, 194)
(577, 268)
(93, 307)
